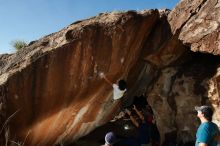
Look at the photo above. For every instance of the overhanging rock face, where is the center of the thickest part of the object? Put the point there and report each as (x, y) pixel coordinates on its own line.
(51, 91)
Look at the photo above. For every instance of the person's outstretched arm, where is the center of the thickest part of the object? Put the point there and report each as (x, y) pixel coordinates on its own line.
(139, 113)
(102, 75)
(107, 80)
(133, 120)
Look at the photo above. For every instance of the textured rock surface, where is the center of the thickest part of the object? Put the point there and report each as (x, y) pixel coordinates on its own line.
(162, 48)
(196, 22)
(177, 91)
(52, 90)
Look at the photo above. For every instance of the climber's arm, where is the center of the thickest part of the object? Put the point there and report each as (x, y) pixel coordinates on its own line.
(102, 75)
(133, 120)
(138, 113)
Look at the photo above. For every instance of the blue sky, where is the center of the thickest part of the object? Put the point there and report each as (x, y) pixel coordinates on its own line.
(30, 20)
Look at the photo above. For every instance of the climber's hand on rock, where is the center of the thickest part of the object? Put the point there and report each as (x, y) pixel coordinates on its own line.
(101, 75)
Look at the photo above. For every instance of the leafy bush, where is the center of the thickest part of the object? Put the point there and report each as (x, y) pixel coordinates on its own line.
(18, 44)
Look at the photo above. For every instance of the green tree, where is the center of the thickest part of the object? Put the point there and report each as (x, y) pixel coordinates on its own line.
(18, 44)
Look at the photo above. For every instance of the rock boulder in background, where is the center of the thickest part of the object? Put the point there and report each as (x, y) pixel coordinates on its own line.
(197, 24)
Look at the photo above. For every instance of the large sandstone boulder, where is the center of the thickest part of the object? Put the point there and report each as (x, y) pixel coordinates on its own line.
(51, 91)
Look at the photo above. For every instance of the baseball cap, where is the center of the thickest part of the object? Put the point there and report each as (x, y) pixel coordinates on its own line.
(205, 109)
(110, 138)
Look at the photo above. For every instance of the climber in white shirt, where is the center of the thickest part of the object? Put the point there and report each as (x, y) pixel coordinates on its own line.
(118, 89)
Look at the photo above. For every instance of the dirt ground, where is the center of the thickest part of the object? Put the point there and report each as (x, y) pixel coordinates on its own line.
(96, 137)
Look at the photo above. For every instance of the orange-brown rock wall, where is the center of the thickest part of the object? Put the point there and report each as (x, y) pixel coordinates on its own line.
(54, 91)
